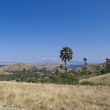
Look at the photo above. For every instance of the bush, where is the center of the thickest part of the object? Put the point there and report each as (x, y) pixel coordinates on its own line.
(64, 78)
(103, 71)
(86, 83)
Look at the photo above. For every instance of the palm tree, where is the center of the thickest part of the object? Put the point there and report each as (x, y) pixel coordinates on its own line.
(107, 65)
(107, 60)
(66, 54)
(85, 64)
(85, 61)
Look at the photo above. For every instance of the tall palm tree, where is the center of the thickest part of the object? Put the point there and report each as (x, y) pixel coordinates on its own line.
(107, 65)
(85, 61)
(66, 54)
(107, 60)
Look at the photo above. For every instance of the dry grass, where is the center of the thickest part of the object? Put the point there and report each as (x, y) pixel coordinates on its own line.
(17, 96)
(97, 80)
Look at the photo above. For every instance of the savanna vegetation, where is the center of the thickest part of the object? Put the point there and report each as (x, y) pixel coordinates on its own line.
(63, 89)
(58, 77)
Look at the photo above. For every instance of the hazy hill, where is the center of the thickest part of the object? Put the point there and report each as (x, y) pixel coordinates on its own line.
(21, 66)
(17, 67)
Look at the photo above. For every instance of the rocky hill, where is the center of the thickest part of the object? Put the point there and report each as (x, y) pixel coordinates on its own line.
(21, 66)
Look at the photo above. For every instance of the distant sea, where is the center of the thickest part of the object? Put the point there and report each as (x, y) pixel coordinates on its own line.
(75, 66)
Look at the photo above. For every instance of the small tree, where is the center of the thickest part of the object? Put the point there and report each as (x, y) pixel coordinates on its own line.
(66, 54)
(29, 71)
(85, 61)
(85, 65)
(98, 69)
(24, 70)
(61, 66)
(107, 65)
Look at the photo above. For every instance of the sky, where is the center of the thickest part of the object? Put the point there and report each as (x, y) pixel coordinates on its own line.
(36, 30)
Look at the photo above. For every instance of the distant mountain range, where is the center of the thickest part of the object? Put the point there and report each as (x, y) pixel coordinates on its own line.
(49, 62)
(7, 62)
(44, 62)
(71, 64)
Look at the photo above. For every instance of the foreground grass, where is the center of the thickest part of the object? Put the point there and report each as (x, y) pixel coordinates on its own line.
(97, 80)
(25, 96)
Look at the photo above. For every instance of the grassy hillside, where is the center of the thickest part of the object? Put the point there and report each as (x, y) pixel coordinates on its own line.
(25, 96)
(97, 80)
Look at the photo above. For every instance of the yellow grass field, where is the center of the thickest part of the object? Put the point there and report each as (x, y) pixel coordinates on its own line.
(25, 96)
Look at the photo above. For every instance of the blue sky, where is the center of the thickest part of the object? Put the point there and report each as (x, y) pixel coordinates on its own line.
(35, 30)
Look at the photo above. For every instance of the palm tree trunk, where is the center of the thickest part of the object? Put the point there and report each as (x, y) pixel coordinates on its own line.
(65, 64)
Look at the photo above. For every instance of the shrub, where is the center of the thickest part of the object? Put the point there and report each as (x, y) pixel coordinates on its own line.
(86, 83)
(103, 71)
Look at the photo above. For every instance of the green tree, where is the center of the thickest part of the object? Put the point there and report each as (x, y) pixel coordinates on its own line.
(61, 66)
(107, 65)
(98, 69)
(85, 65)
(66, 54)
(29, 71)
(24, 70)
